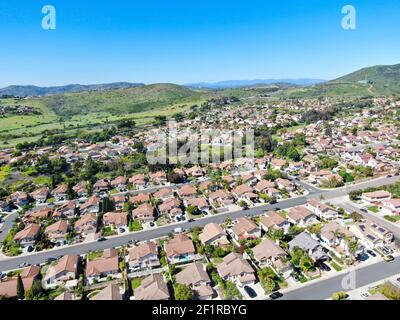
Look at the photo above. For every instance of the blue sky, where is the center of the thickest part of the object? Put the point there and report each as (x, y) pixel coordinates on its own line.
(191, 41)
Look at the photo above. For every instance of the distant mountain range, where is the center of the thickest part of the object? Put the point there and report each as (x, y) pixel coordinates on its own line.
(26, 91)
(249, 83)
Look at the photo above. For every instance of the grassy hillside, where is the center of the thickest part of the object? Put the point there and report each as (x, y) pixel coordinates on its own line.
(123, 101)
(372, 81)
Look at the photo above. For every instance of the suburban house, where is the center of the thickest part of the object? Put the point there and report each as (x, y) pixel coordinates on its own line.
(305, 242)
(264, 185)
(391, 207)
(244, 192)
(138, 181)
(92, 205)
(180, 249)
(86, 224)
(144, 213)
(140, 198)
(102, 267)
(236, 269)
(285, 184)
(119, 183)
(322, 210)
(164, 193)
(40, 195)
(213, 234)
(376, 196)
(158, 178)
(28, 235)
(221, 198)
(200, 203)
(170, 207)
(115, 219)
(65, 270)
(101, 186)
(267, 252)
(111, 292)
(37, 215)
(245, 228)
(8, 288)
(119, 201)
(60, 193)
(302, 217)
(20, 198)
(152, 288)
(66, 210)
(81, 189)
(143, 256)
(57, 232)
(273, 220)
(196, 278)
(334, 236)
(187, 191)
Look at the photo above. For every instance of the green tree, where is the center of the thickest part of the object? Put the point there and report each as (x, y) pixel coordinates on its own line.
(182, 292)
(20, 288)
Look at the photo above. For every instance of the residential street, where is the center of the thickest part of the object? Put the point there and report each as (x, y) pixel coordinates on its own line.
(323, 289)
(81, 248)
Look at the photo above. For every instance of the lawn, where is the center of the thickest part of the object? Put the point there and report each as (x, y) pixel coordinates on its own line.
(136, 282)
(335, 266)
(94, 255)
(135, 225)
(393, 219)
(374, 209)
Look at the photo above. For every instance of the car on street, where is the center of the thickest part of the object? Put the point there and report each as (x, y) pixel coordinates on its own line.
(23, 264)
(388, 258)
(276, 295)
(101, 239)
(190, 220)
(250, 291)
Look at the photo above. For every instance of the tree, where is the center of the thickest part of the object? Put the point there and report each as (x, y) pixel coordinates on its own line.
(34, 292)
(20, 288)
(356, 216)
(182, 292)
(192, 210)
(341, 295)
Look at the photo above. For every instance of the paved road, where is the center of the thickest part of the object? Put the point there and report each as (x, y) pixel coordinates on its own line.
(323, 289)
(81, 248)
(7, 225)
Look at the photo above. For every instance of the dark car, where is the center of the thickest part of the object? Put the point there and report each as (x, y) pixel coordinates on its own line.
(276, 295)
(323, 266)
(190, 220)
(252, 294)
(101, 239)
(152, 224)
(371, 253)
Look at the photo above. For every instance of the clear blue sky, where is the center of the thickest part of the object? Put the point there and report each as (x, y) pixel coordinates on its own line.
(190, 41)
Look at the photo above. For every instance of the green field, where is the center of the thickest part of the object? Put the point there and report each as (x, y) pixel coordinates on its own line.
(88, 110)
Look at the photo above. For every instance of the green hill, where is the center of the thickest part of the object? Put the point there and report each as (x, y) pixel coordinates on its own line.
(121, 101)
(372, 81)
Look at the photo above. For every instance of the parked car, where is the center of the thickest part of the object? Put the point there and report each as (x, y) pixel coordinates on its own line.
(371, 253)
(323, 266)
(101, 239)
(388, 258)
(250, 291)
(30, 249)
(190, 220)
(276, 295)
(152, 224)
